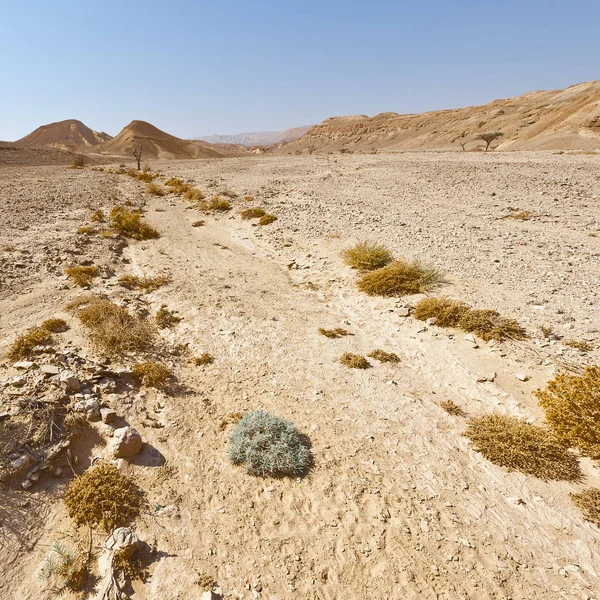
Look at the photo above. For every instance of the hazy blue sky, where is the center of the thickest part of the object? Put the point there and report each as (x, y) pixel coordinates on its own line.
(227, 66)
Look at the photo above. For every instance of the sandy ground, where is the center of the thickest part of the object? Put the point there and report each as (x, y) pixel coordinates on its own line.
(398, 504)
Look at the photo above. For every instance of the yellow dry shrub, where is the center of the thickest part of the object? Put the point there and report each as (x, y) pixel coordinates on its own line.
(24, 344)
(354, 361)
(252, 213)
(81, 275)
(588, 502)
(154, 190)
(215, 204)
(194, 195)
(148, 284)
(267, 219)
(399, 278)
(447, 312)
(130, 224)
(383, 356)
(367, 256)
(152, 373)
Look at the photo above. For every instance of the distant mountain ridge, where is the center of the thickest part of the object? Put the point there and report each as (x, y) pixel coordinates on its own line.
(70, 135)
(258, 138)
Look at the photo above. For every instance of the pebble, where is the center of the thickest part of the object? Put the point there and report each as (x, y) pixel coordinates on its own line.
(522, 377)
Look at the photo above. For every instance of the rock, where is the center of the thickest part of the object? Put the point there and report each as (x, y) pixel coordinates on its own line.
(20, 464)
(516, 501)
(522, 377)
(85, 406)
(122, 537)
(208, 595)
(18, 381)
(107, 415)
(70, 381)
(431, 321)
(50, 370)
(4, 415)
(26, 484)
(57, 472)
(127, 442)
(24, 365)
(483, 377)
(404, 312)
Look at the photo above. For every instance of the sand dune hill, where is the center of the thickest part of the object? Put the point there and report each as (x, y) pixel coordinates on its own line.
(66, 135)
(12, 154)
(156, 144)
(566, 119)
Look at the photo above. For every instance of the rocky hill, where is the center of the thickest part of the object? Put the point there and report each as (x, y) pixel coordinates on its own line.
(156, 144)
(72, 135)
(263, 138)
(566, 119)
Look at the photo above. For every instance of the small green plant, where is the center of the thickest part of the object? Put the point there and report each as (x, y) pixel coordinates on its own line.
(367, 256)
(252, 213)
(103, 497)
(165, 318)
(520, 446)
(267, 219)
(152, 373)
(203, 360)
(81, 275)
(452, 408)
(153, 189)
(24, 345)
(148, 284)
(572, 407)
(215, 204)
(354, 361)
(588, 502)
(383, 356)
(338, 332)
(130, 224)
(269, 445)
(55, 325)
(66, 568)
(399, 278)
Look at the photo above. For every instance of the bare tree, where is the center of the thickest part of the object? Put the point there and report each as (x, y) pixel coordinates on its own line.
(311, 148)
(462, 145)
(137, 153)
(488, 138)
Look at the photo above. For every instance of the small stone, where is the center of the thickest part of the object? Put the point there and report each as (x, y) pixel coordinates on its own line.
(18, 381)
(20, 464)
(127, 442)
(516, 501)
(431, 321)
(24, 365)
(122, 538)
(483, 377)
(107, 415)
(522, 377)
(404, 312)
(87, 406)
(70, 381)
(50, 370)
(57, 472)
(26, 484)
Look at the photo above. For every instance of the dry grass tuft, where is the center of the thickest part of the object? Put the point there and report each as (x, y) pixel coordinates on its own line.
(354, 361)
(194, 195)
(572, 407)
(203, 359)
(215, 204)
(82, 276)
(148, 284)
(338, 332)
(588, 502)
(198, 223)
(452, 408)
(489, 325)
(112, 328)
(55, 325)
(383, 356)
(98, 216)
(165, 318)
(267, 219)
(86, 230)
(399, 278)
(580, 345)
(154, 190)
(519, 446)
(24, 344)
(146, 177)
(103, 497)
(252, 213)
(130, 224)
(152, 373)
(447, 312)
(367, 256)
(520, 215)
(174, 182)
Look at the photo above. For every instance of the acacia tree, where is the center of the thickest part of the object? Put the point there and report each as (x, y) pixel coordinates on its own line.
(137, 153)
(488, 138)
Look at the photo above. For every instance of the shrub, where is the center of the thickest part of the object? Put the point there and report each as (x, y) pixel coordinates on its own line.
(580, 345)
(198, 223)
(452, 408)
(78, 162)
(85, 230)
(446, 312)
(193, 195)
(338, 332)
(383, 356)
(152, 373)
(203, 359)
(82, 276)
(130, 224)
(572, 407)
(252, 213)
(146, 177)
(23, 346)
(98, 216)
(588, 502)
(111, 327)
(154, 190)
(354, 361)
(269, 445)
(173, 182)
(129, 563)
(148, 284)
(166, 318)
(489, 325)
(215, 204)
(519, 446)
(55, 325)
(66, 567)
(398, 279)
(103, 497)
(177, 186)
(521, 215)
(267, 219)
(367, 256)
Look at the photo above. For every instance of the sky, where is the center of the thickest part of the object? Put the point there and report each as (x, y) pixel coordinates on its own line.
(195, 67)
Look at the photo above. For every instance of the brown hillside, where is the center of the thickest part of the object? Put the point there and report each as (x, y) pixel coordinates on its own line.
(566, 119)
(156, 144)
(66, 135)
(13, 155)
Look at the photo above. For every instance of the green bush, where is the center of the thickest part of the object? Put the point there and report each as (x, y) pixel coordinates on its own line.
(269, 445)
